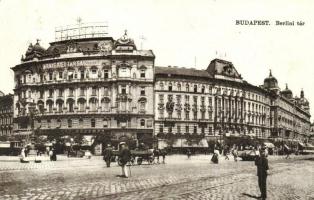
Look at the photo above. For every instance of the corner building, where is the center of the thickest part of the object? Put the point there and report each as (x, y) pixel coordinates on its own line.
(213, 104)
(88, 86)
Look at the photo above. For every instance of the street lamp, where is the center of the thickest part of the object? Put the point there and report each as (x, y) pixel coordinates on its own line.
(32, 114)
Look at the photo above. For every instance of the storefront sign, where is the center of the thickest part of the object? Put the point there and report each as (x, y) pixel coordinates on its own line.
(75, 63)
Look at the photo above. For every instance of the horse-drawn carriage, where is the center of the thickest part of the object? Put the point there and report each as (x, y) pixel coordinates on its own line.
(137, 156)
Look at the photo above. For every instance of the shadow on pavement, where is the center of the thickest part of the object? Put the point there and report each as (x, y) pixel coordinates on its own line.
(251, 196)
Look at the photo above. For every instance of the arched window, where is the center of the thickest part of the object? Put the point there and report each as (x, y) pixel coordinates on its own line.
(105, 102)
(81, 103)
(70, 105)
(93, 104)
(49, 105)
(59, 105)
(187, 87)
(142, 122)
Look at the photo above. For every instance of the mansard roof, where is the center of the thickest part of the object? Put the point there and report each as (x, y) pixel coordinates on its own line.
(183, 72)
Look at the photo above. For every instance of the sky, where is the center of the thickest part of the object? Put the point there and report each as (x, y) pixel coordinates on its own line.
(184, 33)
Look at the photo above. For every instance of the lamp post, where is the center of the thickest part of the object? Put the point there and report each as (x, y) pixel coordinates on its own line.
(32, 114)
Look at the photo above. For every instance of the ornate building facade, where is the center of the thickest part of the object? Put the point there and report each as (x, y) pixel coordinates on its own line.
(6, 114)
(96, 85)
(85, 86)
(217, 104)
(210, 104)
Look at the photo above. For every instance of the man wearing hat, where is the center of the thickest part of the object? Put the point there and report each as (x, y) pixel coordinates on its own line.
(125, 156)
(261, 163)
(108, 155)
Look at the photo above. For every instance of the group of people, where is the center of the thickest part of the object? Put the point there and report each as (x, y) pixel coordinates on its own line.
(125, 157)
(261, 163)
(157, 153)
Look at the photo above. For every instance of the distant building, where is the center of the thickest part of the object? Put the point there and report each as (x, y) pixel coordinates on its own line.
(6, 114)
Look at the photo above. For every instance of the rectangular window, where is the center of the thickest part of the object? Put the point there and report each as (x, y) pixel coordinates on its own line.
(106, 91)
(178, 129)
(105, 122)
(93, 123)
(50, 93)
(60, 74)
(187, 115)
(203, 130)
(161, 98)
(142, 91)
(82, 91)
(161, 129)
(94, 91)
(82, 74)
(71, 92)
(186, 129)
(106, 73)
(60, 92)
(50, 76)
(195, 115)
(41, 94)
(142, 73)
(123, 89)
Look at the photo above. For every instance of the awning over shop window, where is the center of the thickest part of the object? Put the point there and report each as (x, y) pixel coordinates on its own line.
(183, 143)
(269, 145)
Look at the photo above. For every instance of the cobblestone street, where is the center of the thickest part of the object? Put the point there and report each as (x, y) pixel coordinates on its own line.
(180, 178)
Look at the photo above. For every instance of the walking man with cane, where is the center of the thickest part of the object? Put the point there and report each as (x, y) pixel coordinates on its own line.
(125, 157)
(261, 163)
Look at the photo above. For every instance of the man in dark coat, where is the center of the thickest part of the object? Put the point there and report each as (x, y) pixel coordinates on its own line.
(125, 157)
(108, 155)
(261, 163)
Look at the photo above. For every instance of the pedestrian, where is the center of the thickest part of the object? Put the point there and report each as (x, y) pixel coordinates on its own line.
(214, 158)
(108, 153)
(23, 157)
(125, 157)
(226, 152)
(188, 153)
(261, 163)
(235, 153)
(51, 154)
(163, 154)
(287, 151)
(156, 154)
